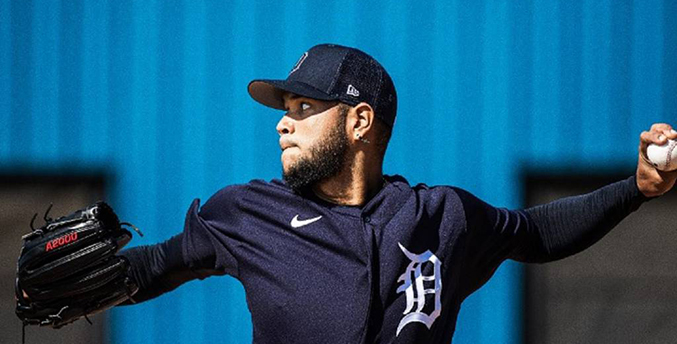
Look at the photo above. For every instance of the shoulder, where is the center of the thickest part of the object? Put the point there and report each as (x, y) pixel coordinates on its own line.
(440, 192)
(236, 195)
(449, 198)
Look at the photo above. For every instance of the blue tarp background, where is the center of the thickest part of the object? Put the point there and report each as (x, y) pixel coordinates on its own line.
(154, 94)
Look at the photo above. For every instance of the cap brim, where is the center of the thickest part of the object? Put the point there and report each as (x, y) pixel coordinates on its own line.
(270, 92)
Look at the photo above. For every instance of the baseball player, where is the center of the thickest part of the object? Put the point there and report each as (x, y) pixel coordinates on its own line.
(338, 252)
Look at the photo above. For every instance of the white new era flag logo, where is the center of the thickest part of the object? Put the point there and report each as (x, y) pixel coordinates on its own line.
(353, 91)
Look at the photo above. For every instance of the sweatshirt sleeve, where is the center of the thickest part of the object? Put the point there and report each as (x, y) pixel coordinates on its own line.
(203, 249)
(570, 225)
(551, 231)
(160, 268)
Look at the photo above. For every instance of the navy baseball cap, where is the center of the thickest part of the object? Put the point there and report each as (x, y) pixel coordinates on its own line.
(333, 72)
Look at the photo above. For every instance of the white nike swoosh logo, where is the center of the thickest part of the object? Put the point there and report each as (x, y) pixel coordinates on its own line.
(296, 223)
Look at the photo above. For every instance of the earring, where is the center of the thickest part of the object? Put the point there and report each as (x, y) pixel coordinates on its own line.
(362, 138)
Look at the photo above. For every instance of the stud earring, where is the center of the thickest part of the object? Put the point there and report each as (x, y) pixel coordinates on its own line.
(362, 138)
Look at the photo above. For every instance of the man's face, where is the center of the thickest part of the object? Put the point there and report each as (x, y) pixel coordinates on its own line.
(313, 141)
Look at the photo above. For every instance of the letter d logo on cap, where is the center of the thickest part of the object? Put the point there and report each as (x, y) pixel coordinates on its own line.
(299, 63)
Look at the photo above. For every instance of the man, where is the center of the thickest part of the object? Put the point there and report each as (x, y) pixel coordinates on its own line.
(339, 253)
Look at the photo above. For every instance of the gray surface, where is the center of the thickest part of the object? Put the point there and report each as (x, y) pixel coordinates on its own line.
(621, 290)
(19, 200)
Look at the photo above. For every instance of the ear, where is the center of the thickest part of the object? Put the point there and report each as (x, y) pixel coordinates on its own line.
(361, 121)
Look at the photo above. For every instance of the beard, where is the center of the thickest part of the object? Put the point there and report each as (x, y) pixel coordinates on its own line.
(326, 158)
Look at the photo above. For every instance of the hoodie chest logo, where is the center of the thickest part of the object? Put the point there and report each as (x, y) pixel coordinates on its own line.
(296, 222)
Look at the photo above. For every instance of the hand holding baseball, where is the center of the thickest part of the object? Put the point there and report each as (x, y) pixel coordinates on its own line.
(651, 180)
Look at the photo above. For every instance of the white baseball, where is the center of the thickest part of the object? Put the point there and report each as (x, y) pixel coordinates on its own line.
(663, 157)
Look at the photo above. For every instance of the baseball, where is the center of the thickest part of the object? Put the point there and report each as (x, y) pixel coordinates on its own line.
(663, 157)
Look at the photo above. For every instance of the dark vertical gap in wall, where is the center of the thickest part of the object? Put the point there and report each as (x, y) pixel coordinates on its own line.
(536, 289)
(615, 290)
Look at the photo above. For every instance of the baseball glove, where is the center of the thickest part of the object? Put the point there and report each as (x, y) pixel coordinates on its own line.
(68, 269)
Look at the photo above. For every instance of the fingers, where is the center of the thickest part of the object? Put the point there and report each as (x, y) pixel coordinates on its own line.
(660, 133)
(657, 137)
(645, 139)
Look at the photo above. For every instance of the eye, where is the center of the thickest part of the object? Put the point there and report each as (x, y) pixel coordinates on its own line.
(305, 106)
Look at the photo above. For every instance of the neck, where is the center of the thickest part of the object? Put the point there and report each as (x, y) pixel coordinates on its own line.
(355, 185)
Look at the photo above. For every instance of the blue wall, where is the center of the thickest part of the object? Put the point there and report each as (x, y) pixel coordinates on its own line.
(154, 93)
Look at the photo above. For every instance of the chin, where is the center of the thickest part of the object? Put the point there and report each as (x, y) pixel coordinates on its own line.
(286, 165)
(287, 159)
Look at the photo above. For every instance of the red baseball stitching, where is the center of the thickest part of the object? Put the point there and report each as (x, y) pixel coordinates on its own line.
(671, 148)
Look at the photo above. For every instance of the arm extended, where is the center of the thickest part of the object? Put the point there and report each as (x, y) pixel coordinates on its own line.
(570, 225)
(161, 268)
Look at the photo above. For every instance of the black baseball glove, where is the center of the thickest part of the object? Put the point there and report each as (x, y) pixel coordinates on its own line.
(68, 269)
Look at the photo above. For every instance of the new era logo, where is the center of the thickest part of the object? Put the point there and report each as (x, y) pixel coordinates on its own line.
(353, 91)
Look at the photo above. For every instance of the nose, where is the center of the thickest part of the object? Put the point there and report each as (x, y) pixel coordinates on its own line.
(285, 125)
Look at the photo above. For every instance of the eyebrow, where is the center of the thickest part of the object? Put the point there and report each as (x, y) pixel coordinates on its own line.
(291, 96)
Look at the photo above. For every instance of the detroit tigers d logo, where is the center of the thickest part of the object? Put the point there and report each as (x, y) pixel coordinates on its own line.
(414, 286)
(299, 63)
